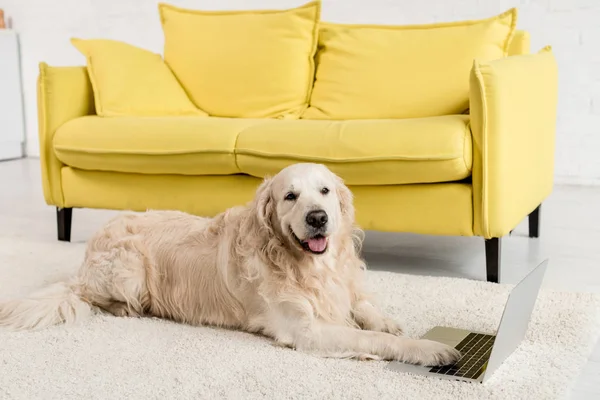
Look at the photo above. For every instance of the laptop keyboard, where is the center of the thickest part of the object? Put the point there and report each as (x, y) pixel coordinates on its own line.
(475, 350)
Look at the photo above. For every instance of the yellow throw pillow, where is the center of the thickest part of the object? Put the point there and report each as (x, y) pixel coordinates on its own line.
(370, 71)
(247, 64)
(130, 81)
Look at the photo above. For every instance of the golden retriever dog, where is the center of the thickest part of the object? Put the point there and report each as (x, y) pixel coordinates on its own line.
(286, 266)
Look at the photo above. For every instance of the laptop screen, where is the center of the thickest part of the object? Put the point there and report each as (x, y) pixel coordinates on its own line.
(515, 318)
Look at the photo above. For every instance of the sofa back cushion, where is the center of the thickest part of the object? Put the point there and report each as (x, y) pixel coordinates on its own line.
(130, 81)
(246, 64)
(520, 44)
(371, 71)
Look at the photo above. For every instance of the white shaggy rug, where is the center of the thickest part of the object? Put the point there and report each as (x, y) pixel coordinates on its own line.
(116, 358)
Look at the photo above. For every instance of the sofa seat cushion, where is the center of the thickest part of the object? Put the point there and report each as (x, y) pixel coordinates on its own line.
(362, 152)
(151, 145)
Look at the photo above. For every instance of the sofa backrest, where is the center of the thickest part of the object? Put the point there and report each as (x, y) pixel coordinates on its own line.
(520, 44)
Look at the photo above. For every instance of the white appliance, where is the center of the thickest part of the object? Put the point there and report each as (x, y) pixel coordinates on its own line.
(12, 118)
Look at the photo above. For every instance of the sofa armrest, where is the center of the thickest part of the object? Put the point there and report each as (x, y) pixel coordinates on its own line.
(64, 93)
(513, 121)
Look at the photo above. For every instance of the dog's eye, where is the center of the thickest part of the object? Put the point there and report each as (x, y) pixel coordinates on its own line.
(290, 196)
(324, 190)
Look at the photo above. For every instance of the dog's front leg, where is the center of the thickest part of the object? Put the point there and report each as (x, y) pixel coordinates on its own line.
(311, 335)
(369, 317)
(345, 342)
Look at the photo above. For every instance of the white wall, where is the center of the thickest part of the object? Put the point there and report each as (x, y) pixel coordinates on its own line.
(570, 26)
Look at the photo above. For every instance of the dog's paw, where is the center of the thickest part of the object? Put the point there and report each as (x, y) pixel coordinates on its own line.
(433, 354)
(383, 324)
(367, 357)
(391, 326)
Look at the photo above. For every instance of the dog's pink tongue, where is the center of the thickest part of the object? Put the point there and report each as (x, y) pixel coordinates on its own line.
(317, 244)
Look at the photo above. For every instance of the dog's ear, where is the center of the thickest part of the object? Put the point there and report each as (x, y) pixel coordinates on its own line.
(264, 205)
(346, 200)
(356, 234)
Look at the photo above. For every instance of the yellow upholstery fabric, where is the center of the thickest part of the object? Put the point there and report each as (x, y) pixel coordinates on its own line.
(130, 81)
(63, 93)
(436, 149)
(433, 209)
(151, 145)
(372, 71)
(199, 195)
(364, 152)
(247, 64)
(520, 43)
(513, 111)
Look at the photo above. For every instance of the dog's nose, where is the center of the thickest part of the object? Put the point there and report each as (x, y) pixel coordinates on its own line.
(316, 218)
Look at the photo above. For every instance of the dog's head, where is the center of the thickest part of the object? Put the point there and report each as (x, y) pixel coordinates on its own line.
(306, 205)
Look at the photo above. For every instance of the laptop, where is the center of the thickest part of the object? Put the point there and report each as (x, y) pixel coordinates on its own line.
(483, 353)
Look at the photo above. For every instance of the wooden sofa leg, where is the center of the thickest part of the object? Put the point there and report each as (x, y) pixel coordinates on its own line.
(64, 216)
(534, 222)
(492, 259)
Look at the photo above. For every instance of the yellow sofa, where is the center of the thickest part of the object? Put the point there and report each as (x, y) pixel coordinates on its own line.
(478, 173)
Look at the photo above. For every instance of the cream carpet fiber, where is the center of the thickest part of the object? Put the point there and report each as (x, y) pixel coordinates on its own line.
(116, 358)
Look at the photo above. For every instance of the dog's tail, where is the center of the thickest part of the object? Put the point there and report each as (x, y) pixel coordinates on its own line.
(52, 305)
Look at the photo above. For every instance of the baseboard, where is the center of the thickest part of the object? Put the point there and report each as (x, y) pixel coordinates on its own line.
(11, 150)
(576, 181)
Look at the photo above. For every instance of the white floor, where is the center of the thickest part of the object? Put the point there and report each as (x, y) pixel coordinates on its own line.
(570, 237)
